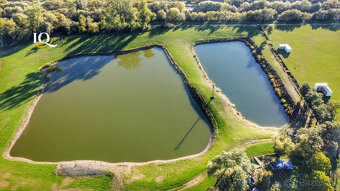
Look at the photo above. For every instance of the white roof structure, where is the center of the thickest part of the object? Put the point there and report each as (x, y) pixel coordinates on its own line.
(286, 47)
(324, 88)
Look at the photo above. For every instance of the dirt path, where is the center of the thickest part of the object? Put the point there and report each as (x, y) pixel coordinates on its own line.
(192, 182)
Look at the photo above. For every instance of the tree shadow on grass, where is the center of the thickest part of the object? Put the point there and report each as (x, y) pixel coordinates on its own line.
(287, 27)
(331, 27)
(251, 30)
(315, 26)
(22, 93)
(157, 31)
(101, 43)
(6, 51)
(33, 50)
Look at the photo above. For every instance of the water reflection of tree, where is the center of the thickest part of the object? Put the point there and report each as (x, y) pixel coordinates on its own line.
(130, 61)
(148, 53)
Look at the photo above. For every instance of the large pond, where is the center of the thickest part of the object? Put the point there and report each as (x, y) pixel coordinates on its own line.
(132, 107)
(232, 67)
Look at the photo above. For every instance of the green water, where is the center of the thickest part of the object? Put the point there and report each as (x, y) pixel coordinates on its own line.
(234, 69)
(133, 107)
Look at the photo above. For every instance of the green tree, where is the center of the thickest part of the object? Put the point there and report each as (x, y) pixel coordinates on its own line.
(283, 144)
(319, 162)
(293, 16)
(308, 142)
(174, 14)
(181, 6)
(121, 15)
(263, 179)
(304, 89)
(93, 27)
(275, 187)
(161, 15)
(331, 137)
(269, 30)
(144, 14)
(322, 182)
(82, 24)
(34, 15)
(231, 170)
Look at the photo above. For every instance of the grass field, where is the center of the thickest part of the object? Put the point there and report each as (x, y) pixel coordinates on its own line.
(19, 82)
(259, 149)
(315, 56)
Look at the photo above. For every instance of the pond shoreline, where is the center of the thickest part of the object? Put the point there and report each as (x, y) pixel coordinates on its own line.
(193, 92)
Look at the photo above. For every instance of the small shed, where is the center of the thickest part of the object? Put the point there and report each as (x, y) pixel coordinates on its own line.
(286, 47)
(324, 88)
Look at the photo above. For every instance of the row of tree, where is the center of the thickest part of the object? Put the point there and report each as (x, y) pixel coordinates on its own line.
(18, 19)
(279, 6)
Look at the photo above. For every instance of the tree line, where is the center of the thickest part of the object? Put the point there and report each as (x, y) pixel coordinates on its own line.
(18, 19)
(315, 148)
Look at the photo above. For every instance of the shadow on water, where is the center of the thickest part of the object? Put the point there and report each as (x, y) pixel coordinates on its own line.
(188, 132)
(200, 117)
(81, 68)
(22, 93)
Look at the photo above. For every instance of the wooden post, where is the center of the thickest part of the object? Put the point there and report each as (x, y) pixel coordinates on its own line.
(213, 91)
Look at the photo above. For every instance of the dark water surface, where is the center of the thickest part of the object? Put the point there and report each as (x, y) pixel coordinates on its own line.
(234, 69)
(132, 107)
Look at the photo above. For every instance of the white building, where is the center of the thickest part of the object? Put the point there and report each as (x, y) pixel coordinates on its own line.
(286, 47)
(324, 88)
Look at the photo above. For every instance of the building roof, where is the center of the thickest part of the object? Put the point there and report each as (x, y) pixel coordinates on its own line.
(324, 85)
(286, 46)
(278, 165)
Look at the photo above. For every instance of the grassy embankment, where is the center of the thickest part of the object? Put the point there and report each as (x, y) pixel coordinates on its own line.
(315, 56)
(20, 83)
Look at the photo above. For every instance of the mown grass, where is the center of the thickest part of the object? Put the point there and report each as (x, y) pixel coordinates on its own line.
(260, 149)
(203, 185)
(20, 83)
(315, 56)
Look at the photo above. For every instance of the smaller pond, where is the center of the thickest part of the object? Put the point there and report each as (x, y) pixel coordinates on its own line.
(234, 69)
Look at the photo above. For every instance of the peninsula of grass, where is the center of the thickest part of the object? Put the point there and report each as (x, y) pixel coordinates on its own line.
(20, 83)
